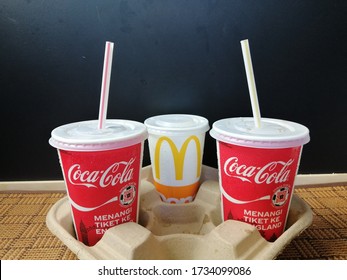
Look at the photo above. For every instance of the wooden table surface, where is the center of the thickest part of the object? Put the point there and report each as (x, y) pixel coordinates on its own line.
(24, 235)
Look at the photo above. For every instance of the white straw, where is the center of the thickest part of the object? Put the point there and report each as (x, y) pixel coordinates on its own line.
(251, 82)
(105, 85)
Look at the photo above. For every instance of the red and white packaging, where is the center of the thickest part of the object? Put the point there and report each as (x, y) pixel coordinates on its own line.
(101, 170)
(257, 169)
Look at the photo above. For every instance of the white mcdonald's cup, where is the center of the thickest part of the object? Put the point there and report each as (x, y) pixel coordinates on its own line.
(176, 144)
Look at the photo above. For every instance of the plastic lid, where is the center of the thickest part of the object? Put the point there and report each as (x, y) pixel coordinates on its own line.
(273, 133)
(176, 123)
(85, 136)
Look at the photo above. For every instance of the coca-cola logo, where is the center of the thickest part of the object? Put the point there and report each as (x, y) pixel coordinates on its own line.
(272, 172)
(118, 172)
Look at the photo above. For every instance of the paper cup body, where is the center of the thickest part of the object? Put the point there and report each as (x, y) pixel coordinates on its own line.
(176, 145)
(101, 170)
(257, 169)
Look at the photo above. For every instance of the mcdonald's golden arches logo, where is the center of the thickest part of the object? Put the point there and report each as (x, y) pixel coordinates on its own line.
(178, 155)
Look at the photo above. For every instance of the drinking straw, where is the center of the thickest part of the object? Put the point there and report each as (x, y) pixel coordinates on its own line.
(251, 82)
(105, 84)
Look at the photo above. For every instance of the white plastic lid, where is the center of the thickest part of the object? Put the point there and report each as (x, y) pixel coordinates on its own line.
(85, 136)
(273, 133)
(176, 124)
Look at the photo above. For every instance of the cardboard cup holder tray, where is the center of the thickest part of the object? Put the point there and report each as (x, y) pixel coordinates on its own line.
(180, 231)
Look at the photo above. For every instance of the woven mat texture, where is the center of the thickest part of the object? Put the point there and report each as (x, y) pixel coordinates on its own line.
(24, 235)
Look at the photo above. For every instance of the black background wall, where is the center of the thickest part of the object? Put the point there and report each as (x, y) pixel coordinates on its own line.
(170, 57)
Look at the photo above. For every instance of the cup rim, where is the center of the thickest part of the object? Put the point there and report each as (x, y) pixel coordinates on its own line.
(295, 134)
(161, 124)
(132, 133)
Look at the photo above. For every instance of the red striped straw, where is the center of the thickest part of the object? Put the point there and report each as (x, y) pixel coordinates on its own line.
(105, 86)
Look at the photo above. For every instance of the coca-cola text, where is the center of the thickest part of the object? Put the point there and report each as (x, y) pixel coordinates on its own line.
(272, 172)
(118, 172)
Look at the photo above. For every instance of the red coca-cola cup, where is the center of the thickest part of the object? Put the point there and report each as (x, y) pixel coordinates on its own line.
(257, 168)
(101, 169)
